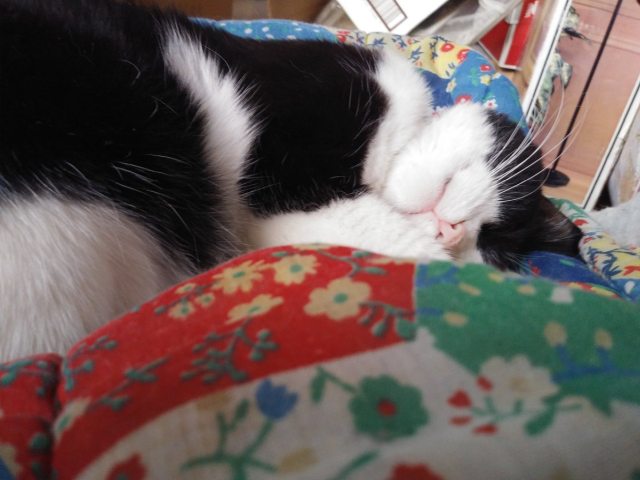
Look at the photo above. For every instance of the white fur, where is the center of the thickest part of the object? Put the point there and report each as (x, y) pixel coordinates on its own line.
(444, 169)
(409, 109)
(230, 130)
(68, 268)
(438, 170)
(367, 222)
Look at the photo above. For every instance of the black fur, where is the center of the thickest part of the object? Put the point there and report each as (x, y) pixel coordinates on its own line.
(89, 111)
(529, 222)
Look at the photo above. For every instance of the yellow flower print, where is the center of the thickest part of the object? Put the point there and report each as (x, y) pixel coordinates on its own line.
(516, 380)
(341, 299)
(312, 246)
(486, 79)
(455, 319)
(391, 261)
(74, 410)
(187, 287)
(181, 310)
(242, 277)
(294, 269)
(297, 461)
(8, 455)
(451, 85)
(526, 289)
(258, 306)
(214, 402)
(205, 300)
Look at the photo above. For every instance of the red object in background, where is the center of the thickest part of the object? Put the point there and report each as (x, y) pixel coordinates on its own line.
(506, 41)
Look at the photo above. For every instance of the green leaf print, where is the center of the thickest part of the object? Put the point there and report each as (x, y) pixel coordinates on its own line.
(589, 344)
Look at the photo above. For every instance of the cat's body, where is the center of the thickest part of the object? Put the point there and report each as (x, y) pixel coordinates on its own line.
(138, 148)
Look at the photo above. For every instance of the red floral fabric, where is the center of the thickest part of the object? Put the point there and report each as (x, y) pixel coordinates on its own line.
(257, 308)
(27, 410)
(315, 361)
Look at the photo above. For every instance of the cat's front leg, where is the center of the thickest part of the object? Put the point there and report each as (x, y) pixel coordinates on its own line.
(366, 222)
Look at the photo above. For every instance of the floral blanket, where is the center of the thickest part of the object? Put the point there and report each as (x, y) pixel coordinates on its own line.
(320, 362)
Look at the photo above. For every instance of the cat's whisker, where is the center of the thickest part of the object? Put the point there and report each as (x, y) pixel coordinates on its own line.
(531, 136)
(526, 145)
(79, 173)
(526, 162)
(137, 175)
(166, 157)
(163, 103)
(134, 66)
(528, 138)
(219, 56)
(544, 170)
(514, 131)
(139, 167)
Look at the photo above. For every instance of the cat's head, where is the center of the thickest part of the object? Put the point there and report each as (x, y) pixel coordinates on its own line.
(481, 178)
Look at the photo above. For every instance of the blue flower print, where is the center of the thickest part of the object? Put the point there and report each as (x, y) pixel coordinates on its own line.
(275, 402)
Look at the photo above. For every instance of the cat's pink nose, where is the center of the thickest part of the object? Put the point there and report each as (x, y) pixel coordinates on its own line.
(450, 234)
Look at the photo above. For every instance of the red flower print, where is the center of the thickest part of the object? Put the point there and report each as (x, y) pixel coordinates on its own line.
(458, 421)
(414, 472)
(447, 47)
(130, 469)
(460, 399)
(580, 222)
(463, 99)
(488, 429)
(386, 408)
(485, 68)
(343, 35)
(484, 384)
(462, 55)
(630, 269)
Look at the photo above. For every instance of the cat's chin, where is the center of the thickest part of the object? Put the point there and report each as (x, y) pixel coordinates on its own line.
(367, 222)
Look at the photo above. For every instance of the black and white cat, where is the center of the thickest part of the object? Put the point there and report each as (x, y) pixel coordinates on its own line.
(138, 148)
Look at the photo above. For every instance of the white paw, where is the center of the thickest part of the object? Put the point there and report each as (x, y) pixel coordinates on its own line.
(367, 222)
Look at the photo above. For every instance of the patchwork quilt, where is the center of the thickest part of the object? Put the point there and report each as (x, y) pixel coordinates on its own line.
(327, 362)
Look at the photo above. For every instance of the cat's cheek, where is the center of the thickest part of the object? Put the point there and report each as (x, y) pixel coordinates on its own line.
(471, 256)
(412, 188)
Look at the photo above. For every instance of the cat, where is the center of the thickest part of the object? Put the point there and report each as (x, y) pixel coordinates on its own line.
(139, 148)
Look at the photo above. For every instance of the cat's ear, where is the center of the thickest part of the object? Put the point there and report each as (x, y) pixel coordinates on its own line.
(554, 232)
